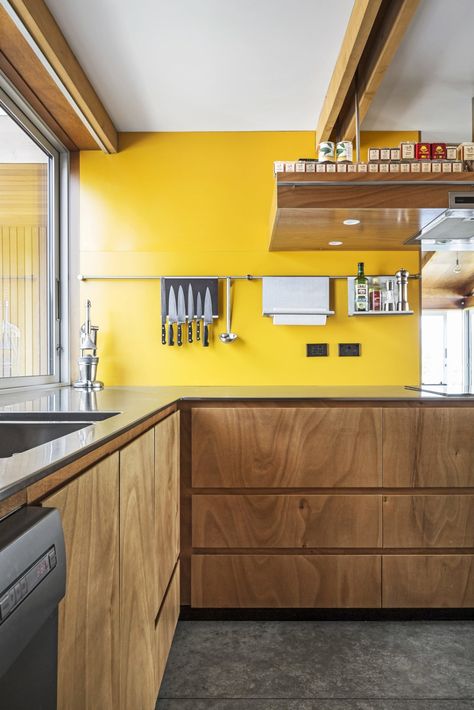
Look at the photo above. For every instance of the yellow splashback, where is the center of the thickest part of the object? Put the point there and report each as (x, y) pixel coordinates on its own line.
(198, 204)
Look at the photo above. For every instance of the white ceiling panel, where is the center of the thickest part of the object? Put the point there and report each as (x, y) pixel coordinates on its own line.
(430, 84)
(207, 65)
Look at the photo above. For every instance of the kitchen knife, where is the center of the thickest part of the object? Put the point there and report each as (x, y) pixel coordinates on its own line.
(172, 315)
(181, 314)
(190, 313)
(198, 316)
(207, 317)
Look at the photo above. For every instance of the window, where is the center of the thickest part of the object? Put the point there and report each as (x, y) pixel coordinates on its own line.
(30, 167)
(444, 352)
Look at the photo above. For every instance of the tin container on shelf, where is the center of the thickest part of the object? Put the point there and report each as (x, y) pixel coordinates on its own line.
(404, 167)
(341, 167)
(362, 167)
(423, 151)
(446, 166)
(395, 154)
(438, 151)
(465, 151)
(407, 150)
(300, 166)
(344, 152)
(457, 166)
(330, 167)
(278, 166)
(435, 166)
(310, 166)
(451, 152)
(415, 167)
(374, 167)
(384, 153)
(374, 154)
(394, 167)
(326, 152)
(320, 167)
(384, 167)
(352, 167)
(289, 167)
(426, 166)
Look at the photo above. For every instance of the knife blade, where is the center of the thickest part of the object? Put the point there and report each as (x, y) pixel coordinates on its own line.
(207, 317)
(198, 316)
(172, 315)
(181, 314)
(190, 313)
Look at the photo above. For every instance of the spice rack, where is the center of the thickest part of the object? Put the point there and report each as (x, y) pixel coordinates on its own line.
(382, 281)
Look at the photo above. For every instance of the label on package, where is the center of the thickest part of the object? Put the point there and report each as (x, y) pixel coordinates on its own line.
(394, 153)
(300, 166)
(374, 154)
(426, 166)
(415, 168)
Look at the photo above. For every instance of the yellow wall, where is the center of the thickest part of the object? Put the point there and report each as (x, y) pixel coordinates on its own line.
(198, 203)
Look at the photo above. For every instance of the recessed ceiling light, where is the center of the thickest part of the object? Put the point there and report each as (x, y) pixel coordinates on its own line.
(350, 222)
(335, 244)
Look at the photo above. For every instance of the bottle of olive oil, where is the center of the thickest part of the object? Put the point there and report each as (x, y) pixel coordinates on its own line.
(361, 285)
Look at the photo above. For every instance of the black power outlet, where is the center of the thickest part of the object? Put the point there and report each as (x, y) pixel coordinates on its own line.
(349, 349)
(316, 349)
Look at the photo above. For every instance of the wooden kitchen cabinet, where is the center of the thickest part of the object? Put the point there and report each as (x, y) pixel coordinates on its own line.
(138, 565)
(88, 661)
(428, 447)
(428, 521)
(286, 581)
(427, 581)
(166, 624)
(272, 447)
(286, 521)
(167, 494)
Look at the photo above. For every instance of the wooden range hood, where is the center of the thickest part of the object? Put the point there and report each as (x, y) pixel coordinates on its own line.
(309, 209)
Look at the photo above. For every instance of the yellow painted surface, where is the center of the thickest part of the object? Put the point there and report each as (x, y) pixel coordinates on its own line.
(198, 204)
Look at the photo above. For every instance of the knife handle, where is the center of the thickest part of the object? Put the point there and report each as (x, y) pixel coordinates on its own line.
(170, 334)
(180, 335)
(190, 331)
(163, 334)
(205, 341)
(198, 329)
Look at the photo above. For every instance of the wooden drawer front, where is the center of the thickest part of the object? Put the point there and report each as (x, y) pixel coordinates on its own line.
(428, 447)
(285, 581)
(411, 581)
(276, 447)
(166, 625)
(287, 521)
(428, 521)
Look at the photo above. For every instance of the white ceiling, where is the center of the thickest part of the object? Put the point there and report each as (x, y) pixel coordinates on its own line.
(430, 83)
(207, 65)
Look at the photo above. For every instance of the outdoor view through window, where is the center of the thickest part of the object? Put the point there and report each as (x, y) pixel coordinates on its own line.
(25, 264)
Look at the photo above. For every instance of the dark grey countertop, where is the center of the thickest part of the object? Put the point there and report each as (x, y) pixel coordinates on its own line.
(134, 404)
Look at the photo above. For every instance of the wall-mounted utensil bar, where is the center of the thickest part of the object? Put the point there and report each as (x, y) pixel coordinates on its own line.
(247, 277)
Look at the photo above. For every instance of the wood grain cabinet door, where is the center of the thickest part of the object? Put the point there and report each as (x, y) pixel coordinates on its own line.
(138, 593)
(428, 447)
(279, 447)
(166, 501)
(286, 521)
(88, 662)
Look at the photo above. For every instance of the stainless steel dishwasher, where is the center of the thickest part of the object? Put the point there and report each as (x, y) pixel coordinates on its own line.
(32, 583)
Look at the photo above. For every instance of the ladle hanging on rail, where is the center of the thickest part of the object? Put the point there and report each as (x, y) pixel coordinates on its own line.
(228, 337)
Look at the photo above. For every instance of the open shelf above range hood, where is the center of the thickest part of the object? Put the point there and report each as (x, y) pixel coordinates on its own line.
(390, 211)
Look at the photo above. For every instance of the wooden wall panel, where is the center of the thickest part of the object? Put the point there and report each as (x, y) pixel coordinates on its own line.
(414, 581)
(167, 496)
(88, 664)
(428, 521)
(428, 447)
(280, 521)
(260, 448)
(286, 581)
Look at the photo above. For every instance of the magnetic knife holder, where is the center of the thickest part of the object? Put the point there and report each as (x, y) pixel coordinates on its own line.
(198, 285)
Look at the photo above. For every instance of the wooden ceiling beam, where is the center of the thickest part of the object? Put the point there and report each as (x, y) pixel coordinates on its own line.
(35, 23)
(387, 34)
(361, 21)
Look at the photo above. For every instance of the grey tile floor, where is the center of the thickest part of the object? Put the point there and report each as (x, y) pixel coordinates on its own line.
(320, 665)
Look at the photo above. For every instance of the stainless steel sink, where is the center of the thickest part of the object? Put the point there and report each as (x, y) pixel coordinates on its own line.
(56, 416)
(18, 436)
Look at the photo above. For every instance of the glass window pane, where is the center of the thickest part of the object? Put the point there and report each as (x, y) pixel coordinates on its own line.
(433, 333)
(26, 332)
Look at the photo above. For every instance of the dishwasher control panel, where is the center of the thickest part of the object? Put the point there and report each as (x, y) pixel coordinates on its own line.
(19, 590)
